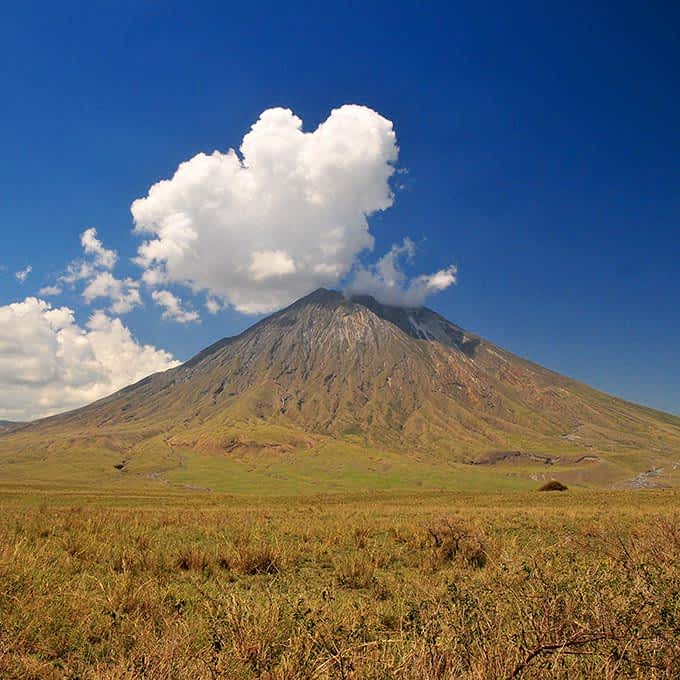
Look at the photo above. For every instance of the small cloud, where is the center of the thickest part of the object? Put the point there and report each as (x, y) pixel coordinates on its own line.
(95, 272)
(124, 294)
(48, 291)
(103, 257)
(153, 277)
(212, 305)
(77, 271)
(23, 274)
(173, 307)
(388, 284)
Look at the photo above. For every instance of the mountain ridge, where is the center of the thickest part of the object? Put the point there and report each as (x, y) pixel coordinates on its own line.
(329, 370)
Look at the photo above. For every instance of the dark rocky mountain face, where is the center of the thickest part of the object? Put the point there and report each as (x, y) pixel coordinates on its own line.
(401, 379)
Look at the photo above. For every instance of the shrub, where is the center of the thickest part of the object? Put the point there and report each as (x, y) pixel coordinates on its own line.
(356, 571)
(253, 556)
(553, 485)
(450, 539)
(192, 560)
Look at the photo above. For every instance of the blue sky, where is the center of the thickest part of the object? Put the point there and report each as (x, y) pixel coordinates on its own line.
(541, 147)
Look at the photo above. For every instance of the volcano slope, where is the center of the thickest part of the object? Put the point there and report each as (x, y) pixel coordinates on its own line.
(332, 393)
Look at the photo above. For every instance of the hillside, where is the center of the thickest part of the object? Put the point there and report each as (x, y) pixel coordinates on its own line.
(337, 393)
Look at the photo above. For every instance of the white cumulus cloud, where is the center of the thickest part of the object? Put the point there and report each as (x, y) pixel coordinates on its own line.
(173, 308)
(48, 363)
(95, 273)
(288, 215)
(265, 264)
(386, 281)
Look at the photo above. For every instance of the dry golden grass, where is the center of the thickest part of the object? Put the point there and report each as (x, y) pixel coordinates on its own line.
(390, 586)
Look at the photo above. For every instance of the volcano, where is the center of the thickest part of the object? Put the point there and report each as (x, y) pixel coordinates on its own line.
(351, 393)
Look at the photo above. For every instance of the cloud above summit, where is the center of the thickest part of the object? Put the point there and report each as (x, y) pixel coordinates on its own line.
(386, 281)
(286, 214)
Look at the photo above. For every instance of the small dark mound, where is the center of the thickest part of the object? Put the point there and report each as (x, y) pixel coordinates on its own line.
(554, 485)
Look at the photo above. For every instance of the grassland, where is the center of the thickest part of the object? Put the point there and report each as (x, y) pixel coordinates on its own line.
(264, 459)
(392, 584)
